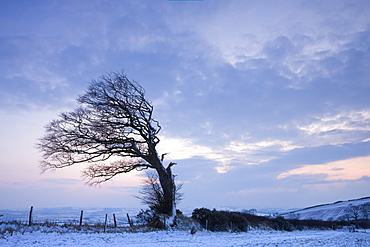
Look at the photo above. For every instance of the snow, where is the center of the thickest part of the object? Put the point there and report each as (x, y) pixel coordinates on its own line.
(328, 212)
(16, 234)
(184, 238)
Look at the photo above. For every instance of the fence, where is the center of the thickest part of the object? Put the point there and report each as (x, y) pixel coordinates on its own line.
(72, 216)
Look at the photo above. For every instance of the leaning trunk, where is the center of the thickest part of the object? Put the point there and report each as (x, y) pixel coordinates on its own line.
(168, 187)
(167, 183)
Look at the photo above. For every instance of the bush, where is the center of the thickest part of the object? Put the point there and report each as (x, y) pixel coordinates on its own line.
(151, 218)
(220, 220)
(364, 224)
(282, 224)
(239, 222)
(214, 220)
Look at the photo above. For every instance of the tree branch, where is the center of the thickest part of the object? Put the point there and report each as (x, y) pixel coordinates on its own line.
(98, 173)
(114, 119)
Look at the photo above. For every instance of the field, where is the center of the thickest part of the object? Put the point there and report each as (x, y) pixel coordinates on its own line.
(60, 227)
(42, 237)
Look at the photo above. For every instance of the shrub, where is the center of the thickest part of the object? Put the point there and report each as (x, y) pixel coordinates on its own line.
(239, 222)
(282, 224)
(151, 218)
(220, 220)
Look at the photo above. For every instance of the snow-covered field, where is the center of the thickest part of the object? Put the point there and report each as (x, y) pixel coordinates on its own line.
(184, 238)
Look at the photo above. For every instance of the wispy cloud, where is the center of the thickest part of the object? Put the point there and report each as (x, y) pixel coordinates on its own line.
(345, 121)
(272, 145)
(299, 41)
(226, 157)
(182, 148)
(333, 129)
(349, 169)
(264, 190)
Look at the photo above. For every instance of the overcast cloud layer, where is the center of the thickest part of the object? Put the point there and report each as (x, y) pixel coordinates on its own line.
(262, 103)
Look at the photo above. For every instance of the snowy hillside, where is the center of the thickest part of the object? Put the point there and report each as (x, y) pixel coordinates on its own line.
(327, 212)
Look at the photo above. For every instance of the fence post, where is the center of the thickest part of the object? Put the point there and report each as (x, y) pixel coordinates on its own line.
(30, 217)
(81, 217)
(105, 222)
(115, 221)
(206, 225)
(129, 220)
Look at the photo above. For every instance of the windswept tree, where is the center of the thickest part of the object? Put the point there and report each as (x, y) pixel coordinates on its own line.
(113, 131)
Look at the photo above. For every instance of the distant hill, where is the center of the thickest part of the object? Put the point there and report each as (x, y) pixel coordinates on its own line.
(328, 212)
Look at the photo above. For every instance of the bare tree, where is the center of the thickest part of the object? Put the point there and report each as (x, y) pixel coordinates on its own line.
(365, 210)
(114, 131)
(354, 211)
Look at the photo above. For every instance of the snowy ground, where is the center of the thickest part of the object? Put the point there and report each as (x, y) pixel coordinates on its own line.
(184, 238)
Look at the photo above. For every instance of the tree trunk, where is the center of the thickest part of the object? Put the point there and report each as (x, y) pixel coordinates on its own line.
(167, 182)
(169, 196)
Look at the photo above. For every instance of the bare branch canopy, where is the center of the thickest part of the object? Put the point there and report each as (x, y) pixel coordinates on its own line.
(112, 130)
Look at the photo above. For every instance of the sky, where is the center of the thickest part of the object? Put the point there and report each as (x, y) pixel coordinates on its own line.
(262, 104)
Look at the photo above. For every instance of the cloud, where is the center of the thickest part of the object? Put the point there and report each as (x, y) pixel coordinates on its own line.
(303, 59)
(334, 129)
(182, 148)
(345, 121)
(349, 169)
(32, 73)
(298, 40)
(226, 157)
(274, 145)
(264, 190)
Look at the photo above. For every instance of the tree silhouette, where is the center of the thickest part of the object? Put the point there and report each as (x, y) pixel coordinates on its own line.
(112, 130)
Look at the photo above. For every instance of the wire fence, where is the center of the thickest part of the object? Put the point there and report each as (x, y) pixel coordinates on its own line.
(111, 218)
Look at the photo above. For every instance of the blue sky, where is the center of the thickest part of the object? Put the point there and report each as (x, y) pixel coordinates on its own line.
(262, 104)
